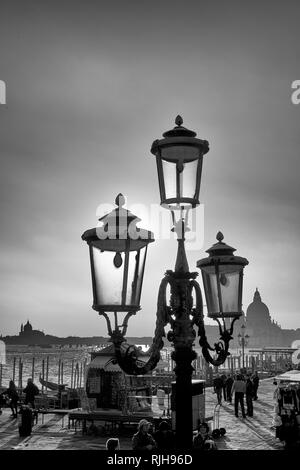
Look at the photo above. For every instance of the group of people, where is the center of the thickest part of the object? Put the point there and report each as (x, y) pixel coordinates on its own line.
(238, 386)
(146, 440)
(163, 439)
(11, 396)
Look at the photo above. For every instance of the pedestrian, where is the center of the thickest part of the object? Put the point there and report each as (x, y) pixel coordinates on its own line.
(249, 396)
(30, 393)
(239, 389)
(255, 380)
(2, 402)
(13, 397)
(112, 444)
(203, 439)
(164, 436)
(218, 387)
(229, 383)
(142, 439)
(224, 378)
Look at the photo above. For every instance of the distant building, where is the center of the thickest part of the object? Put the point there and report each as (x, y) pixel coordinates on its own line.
(28, 333)
(263, 330)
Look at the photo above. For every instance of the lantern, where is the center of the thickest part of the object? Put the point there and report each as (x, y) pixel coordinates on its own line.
(117, 254)
(179, 157)
(222, 274)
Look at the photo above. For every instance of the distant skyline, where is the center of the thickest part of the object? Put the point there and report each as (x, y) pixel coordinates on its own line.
(89, 86)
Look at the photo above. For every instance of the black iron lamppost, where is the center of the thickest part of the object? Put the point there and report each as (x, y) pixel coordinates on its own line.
(243, 342)
(118, 252)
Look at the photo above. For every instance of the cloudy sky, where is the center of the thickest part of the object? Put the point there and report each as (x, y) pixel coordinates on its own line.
(90, 85)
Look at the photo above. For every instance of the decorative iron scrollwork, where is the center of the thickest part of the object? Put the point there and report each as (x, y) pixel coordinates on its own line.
(182, 317)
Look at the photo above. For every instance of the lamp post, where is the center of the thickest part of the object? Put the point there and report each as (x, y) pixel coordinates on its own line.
(118, 252)
(243, 341)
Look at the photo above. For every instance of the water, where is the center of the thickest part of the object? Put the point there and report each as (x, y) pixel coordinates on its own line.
(80, 356)
(77, 355)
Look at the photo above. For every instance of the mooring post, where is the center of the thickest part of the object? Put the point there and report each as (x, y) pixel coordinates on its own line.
(20, 371)
(14, 370)
(47, 371)
(59, 365)
(84, 372)
(81, 369)
(77, 375)
(62, 372)
(72, 373)
(32, 369)
(43, 375)
(21, 374)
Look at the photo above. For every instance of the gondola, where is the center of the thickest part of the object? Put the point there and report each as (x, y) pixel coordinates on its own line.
(52, 385)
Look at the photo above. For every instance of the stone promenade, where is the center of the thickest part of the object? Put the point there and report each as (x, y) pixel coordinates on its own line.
(52, 432)
(254, 433)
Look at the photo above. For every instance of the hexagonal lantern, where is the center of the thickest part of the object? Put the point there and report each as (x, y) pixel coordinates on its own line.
(179, 157)
(117, 254)
(222, 274)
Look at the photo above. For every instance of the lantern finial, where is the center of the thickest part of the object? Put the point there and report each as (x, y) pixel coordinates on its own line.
(178, 120)
(120, 200)
(220, 237)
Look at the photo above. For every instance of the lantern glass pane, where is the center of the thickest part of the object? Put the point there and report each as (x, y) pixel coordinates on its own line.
(135, 276)
(108, 279)
(169, 176)
(229, 277)
(211, 292)
(188, 179)
(229, 283)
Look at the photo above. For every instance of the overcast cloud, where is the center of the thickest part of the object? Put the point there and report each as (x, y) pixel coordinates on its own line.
(90, 85)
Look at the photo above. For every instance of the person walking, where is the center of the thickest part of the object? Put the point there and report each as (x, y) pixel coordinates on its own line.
(13, 396)
(224, 378)
(229, 383)
(255, 380)
(218, 387)
(142, 439)
(249, 396)
(239, 390)
(30, 393)
(2, 401)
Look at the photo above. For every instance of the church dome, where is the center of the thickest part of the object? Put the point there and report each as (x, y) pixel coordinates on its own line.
(27, 327)
(258, 314)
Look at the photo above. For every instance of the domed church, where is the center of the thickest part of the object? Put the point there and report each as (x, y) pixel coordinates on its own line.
(29, 333)
(264, 331)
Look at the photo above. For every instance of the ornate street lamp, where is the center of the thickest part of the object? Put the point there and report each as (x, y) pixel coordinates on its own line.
(243, 342)
(222, 275)
(117, 280)
(179, 157)
(118, 250)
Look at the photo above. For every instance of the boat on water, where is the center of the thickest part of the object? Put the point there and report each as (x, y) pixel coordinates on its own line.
(72, 392)
(52, 385)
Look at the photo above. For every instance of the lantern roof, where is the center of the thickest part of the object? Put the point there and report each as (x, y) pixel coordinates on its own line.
(180, 135)
(222, 253)
(220, 248)
(120, 225)
(179, 130)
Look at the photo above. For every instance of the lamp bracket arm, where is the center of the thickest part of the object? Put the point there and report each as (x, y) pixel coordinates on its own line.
(104, 314)
(222, 346)
(127, 355)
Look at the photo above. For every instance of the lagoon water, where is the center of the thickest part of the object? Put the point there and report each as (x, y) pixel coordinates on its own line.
(67, 355)
(77, 355)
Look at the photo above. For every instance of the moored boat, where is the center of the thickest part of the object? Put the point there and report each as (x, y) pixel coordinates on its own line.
(52, 385)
